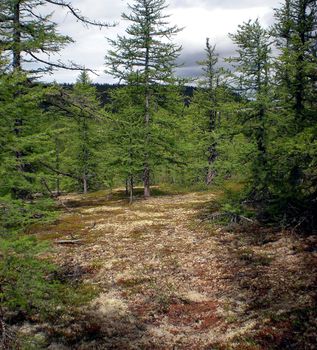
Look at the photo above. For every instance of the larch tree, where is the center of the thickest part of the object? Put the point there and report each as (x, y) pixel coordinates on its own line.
(85, 109)
(294, 183)
(29, 39)
(76, 133)
(29, 36)
(146, 58)
(125, 135)
(208, 100)
(251, 80)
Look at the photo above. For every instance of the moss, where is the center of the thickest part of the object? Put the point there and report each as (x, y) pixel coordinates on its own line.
(250, 256)
(133, 281)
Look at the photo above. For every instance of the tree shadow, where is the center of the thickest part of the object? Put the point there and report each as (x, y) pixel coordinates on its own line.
(271, 279)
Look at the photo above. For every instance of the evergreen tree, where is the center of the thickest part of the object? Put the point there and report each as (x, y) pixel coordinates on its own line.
(145, 59)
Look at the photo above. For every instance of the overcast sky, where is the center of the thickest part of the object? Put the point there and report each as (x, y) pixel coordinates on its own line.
(200, 19)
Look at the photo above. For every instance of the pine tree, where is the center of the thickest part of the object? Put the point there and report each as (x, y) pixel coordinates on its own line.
(144, 58)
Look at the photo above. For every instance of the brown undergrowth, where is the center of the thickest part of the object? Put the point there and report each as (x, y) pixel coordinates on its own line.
(170, 280)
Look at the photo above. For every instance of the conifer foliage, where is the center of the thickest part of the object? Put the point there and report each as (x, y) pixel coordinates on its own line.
(144, 58)
(29, 36)
(251, 80)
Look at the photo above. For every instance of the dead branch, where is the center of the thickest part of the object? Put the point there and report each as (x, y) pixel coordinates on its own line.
(52, 195)
(69, 241)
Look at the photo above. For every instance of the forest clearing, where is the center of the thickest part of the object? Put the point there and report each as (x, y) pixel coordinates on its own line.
(169, 279)
(158, 175)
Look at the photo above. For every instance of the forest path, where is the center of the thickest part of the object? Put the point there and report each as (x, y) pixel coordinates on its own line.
(167, 279)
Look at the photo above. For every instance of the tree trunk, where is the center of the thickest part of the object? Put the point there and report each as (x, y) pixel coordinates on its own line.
(85, 184)
(212, 153)
(146, 181)
(83, 125)
(146, 170)
(57, 165)
(211, 173)
(127, 186)
(16, 37)
(131, 184)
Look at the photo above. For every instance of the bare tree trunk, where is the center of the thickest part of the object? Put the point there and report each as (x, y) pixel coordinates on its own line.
(131, 189)
(85, 153)
(127, 186)
(57, 165)
(146, 181)
(85, 184)
(212, 152)
(210, 175)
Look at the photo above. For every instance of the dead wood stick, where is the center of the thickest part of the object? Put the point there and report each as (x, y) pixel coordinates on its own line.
(44, 182)
(68, 241)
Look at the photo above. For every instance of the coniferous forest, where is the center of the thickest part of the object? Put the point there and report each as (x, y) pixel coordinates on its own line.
(160, 212)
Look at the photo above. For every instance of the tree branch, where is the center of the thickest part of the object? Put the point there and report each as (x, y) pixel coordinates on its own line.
(78, 16)
(61, 65)
(60, 172)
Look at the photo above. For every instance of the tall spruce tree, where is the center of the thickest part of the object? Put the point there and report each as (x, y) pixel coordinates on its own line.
(145, 58)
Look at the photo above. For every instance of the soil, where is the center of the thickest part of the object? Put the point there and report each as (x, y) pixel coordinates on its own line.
(169, 279)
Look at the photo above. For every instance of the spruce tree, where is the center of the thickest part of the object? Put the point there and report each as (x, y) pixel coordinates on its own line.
(145, 58)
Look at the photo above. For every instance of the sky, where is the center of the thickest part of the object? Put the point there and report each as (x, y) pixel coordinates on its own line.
(199, 18)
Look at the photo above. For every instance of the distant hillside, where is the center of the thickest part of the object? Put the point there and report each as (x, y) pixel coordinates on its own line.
(103, 91)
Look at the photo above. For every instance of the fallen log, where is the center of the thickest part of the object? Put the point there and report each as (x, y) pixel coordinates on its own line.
(69, 241)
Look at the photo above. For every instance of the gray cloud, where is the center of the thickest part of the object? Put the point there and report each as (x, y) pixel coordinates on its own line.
(224, 4)
(189, 59)
(201, 19)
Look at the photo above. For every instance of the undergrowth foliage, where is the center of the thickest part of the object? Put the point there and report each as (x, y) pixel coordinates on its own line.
(31, 287)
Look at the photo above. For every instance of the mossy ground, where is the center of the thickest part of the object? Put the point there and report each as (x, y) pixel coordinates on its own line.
(169, 280)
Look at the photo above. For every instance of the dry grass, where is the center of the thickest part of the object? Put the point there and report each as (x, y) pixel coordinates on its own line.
(169, 281)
